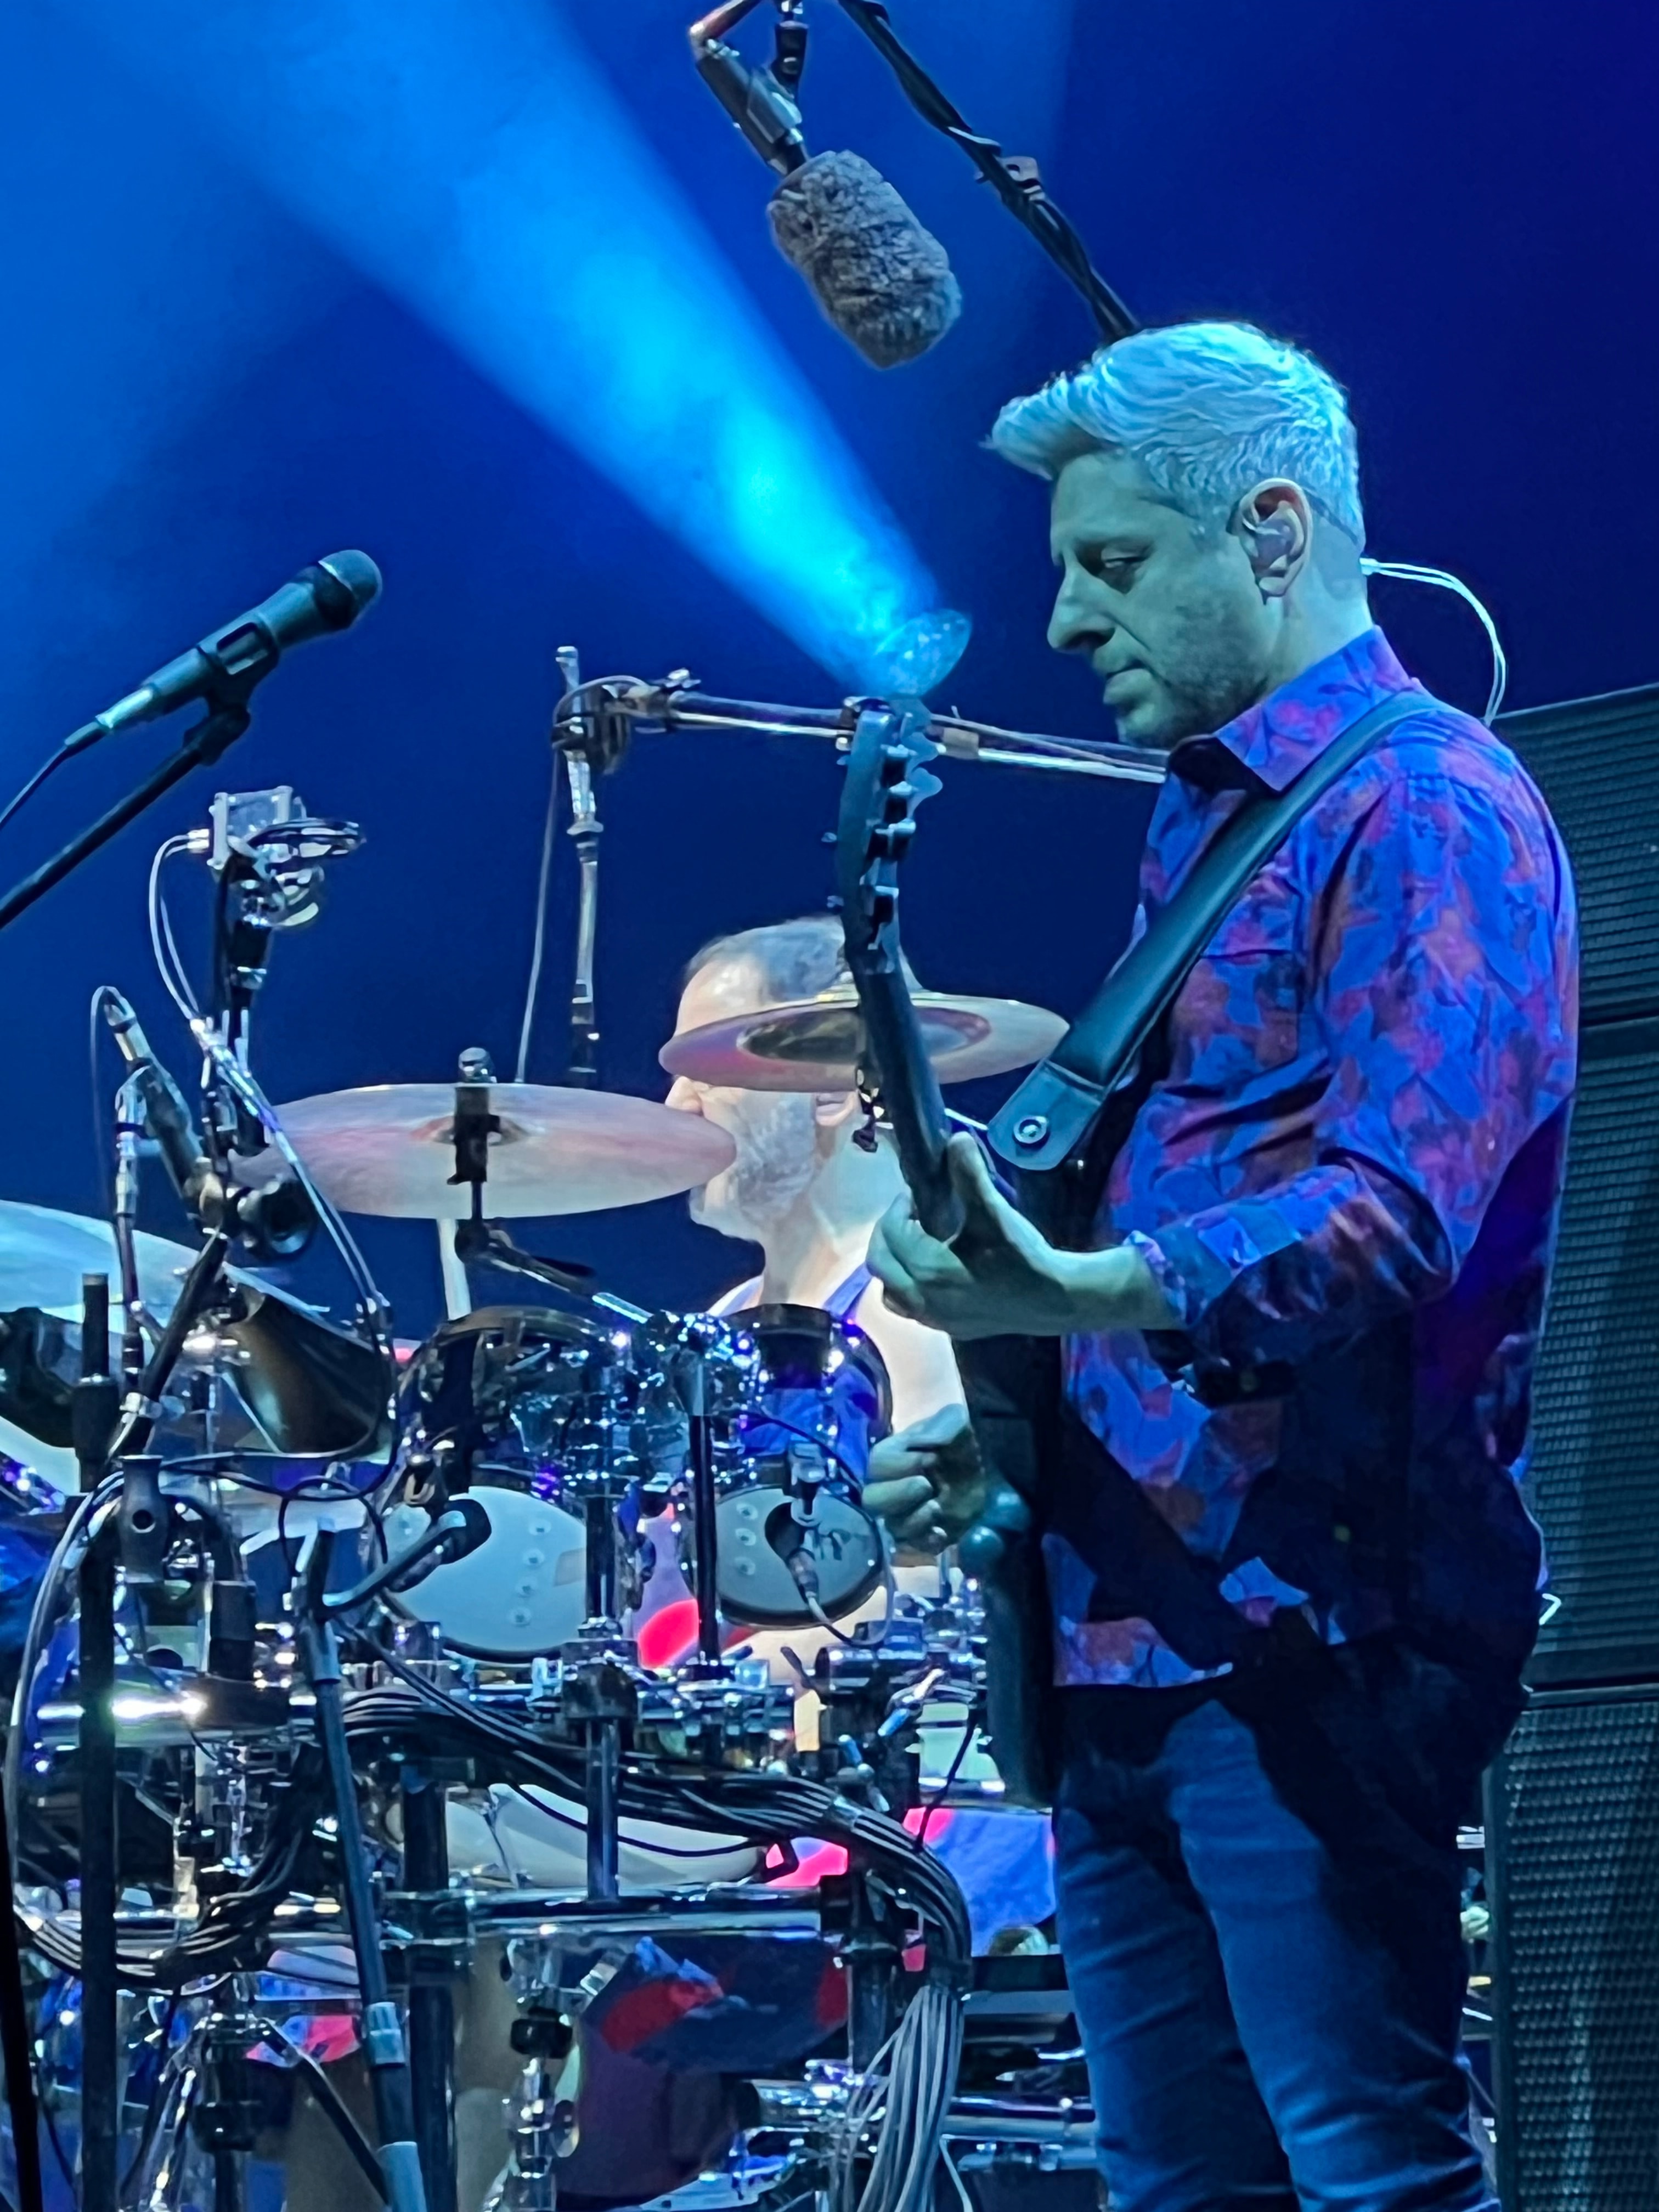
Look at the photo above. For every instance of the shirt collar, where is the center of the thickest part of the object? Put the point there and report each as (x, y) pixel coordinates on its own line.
(1275, 739)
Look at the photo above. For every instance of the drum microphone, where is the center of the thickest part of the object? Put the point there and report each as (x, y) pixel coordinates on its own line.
(228, 662)
(881, 278)
(276, 1218)
(168, 1119)
(462, 1528)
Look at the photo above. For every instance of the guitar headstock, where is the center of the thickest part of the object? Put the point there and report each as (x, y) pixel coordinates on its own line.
(888, 778)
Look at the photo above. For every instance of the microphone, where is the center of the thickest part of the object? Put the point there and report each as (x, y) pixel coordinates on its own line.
(225, 666)
(883, 280)
(275, 1220)
(460, 1541)
(167, 1117)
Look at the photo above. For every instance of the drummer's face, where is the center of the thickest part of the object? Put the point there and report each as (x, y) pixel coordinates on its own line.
(775, 1132)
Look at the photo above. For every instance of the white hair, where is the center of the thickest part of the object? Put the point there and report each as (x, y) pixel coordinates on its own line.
(1208, 409)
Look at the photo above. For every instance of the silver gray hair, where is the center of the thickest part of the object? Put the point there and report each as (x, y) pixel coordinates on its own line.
(1208, 409)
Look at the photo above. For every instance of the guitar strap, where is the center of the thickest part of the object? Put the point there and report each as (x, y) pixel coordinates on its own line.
(1045, 1130)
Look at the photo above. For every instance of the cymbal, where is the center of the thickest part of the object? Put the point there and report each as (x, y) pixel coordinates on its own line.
(44, 1253)
(311, 1387)
(389, 1149)
(817, 1044)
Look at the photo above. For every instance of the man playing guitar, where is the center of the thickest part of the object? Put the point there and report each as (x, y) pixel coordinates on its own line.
(1305, 1326)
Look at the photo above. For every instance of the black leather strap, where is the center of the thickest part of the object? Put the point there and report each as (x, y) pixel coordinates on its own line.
(1048, 1119)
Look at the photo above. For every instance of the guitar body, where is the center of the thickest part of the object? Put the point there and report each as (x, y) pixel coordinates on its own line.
(1011, 1384)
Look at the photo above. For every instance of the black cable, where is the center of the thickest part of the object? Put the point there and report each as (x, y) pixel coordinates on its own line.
(52, 761)
(1015, 185)
(952, 1772)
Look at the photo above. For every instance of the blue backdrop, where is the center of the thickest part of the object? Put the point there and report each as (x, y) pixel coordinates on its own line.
(487, 291)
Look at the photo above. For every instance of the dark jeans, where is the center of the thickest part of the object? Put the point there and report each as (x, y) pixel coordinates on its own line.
(1258, 1891)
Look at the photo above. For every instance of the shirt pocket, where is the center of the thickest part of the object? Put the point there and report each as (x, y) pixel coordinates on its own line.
(1238, 1015)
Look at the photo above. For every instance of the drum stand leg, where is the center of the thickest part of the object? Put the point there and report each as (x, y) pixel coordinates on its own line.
(223, 2121)
(431, 2002)
(598, 1685)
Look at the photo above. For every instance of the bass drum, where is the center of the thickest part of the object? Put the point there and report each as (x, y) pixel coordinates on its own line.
(510, 1401)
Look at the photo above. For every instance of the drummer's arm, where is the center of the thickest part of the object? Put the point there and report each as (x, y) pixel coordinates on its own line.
(919, 1362)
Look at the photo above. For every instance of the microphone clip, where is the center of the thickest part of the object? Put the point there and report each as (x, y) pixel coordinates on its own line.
(761, 101)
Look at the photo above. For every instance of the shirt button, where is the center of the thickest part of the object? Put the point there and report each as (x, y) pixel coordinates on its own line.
(1031, 1130)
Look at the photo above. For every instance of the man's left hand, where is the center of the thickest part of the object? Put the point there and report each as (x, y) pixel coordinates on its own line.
(1000, 1276)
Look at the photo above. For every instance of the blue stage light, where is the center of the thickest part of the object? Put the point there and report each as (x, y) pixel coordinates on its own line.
(470, 157)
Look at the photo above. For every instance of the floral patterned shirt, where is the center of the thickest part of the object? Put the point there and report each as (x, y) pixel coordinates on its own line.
(1347, 1182)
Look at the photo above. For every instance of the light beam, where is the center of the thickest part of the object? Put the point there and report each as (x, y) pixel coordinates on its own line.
(468, 156)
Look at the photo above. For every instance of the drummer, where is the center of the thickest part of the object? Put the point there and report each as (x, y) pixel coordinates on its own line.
(808, 1194)
(801, 1187)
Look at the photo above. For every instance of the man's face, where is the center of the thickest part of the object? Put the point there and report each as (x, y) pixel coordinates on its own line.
(1169, 613)
(776, 1132)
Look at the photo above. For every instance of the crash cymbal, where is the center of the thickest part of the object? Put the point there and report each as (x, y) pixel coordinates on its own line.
(389, 1149)
(817, 1044)
(44, 1253)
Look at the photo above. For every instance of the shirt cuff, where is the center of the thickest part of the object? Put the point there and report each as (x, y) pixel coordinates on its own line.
(1188, 1273)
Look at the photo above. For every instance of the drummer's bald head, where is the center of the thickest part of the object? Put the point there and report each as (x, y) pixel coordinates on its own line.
(797, 959)
(802, 958)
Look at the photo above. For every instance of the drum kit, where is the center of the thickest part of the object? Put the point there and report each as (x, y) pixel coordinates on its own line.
(350, 1631)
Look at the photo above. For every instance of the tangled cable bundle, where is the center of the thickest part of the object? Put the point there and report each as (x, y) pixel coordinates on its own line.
(905, 2094)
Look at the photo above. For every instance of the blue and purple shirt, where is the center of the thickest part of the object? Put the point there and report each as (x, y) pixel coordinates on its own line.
(1347, 1182)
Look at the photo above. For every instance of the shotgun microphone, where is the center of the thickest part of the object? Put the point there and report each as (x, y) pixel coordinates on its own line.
(880, 277)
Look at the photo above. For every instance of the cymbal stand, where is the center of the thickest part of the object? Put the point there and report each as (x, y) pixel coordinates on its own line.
(700, 1456)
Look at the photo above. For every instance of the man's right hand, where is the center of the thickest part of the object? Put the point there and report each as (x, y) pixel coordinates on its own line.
(927, 1483)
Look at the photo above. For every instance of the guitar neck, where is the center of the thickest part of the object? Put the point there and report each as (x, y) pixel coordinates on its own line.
(887, 777)
(910, 1095)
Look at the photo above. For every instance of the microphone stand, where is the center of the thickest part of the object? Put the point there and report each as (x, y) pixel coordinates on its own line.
(202, 745)
(583, 1073)
(136, 1527)
(384, 2046)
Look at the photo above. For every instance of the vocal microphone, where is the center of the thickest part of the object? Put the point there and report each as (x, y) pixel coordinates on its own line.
(225, 666)
(275, 1218)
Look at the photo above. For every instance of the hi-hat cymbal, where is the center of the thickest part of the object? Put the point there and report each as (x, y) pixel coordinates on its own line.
(389, 1149)
(818, 1044)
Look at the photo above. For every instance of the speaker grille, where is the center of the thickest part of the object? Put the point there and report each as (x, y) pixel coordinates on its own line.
(1574, 1858)
(1594, 1481)
(1596, 762)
